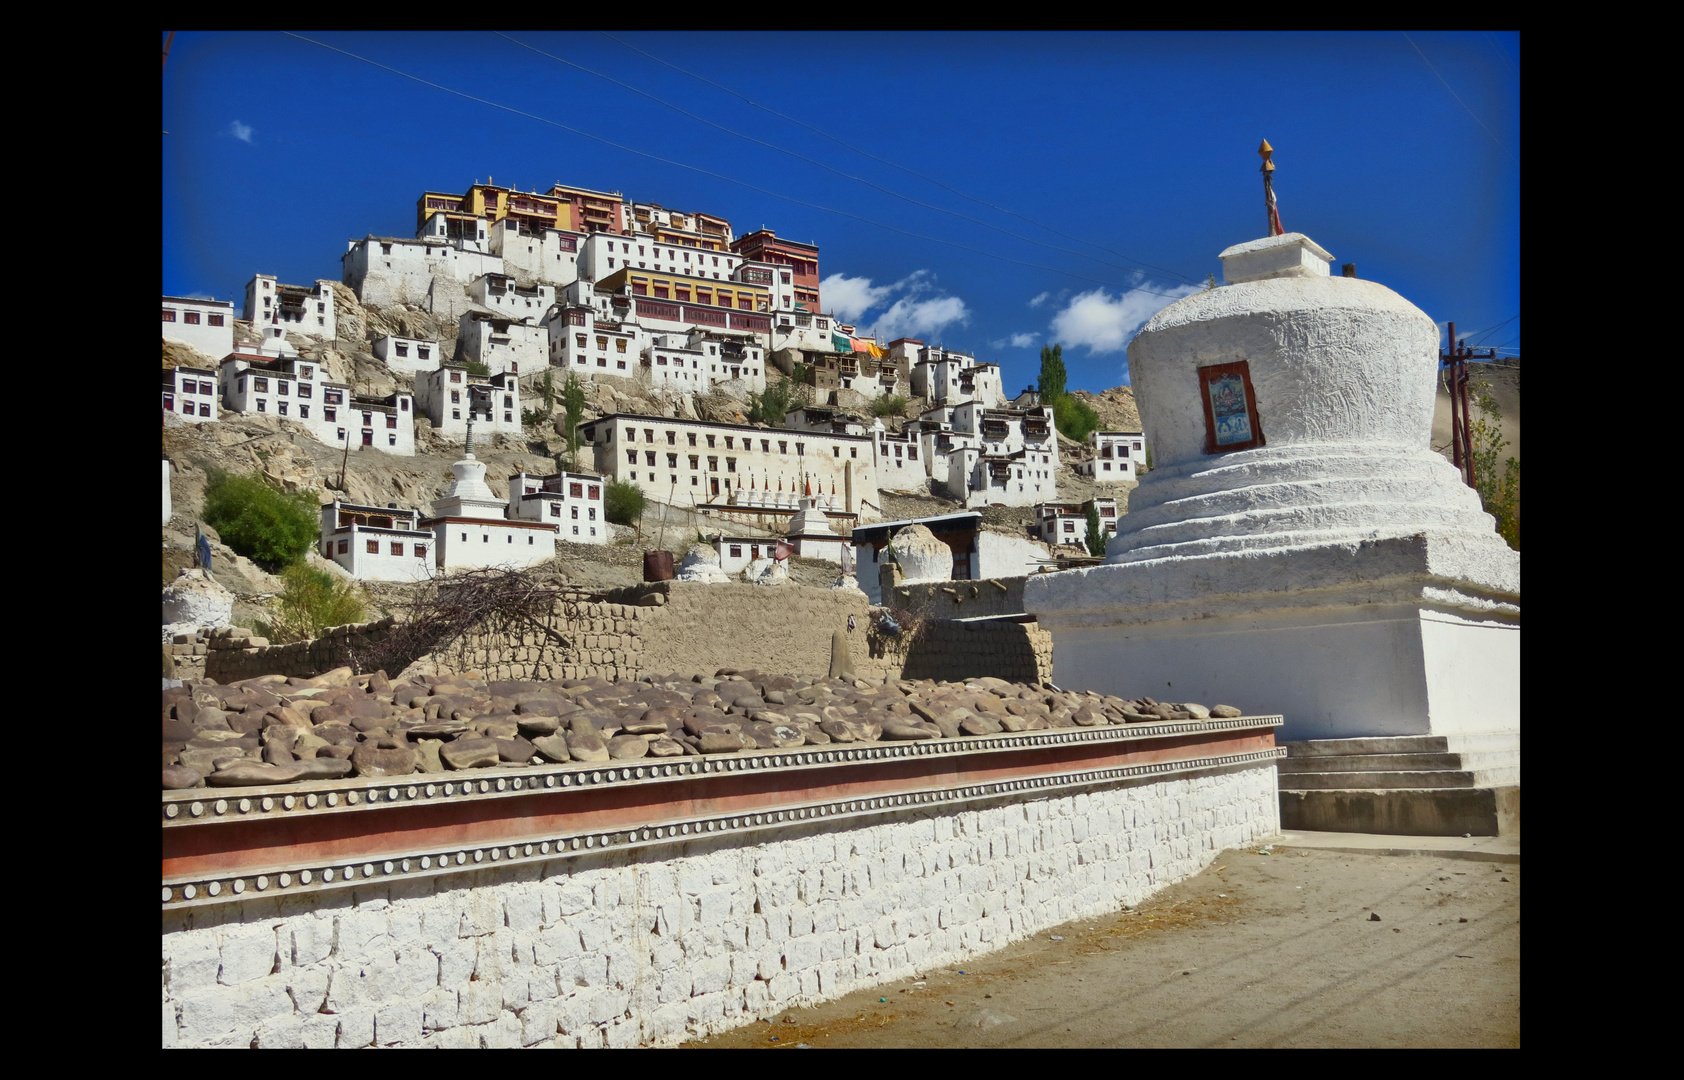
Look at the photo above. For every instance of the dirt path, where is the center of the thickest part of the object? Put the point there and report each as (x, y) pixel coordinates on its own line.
(1273, 950)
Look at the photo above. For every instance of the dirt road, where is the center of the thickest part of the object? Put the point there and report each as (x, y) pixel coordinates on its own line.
(1277, 950)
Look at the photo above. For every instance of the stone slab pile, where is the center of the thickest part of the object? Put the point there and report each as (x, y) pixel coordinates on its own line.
(276, 729)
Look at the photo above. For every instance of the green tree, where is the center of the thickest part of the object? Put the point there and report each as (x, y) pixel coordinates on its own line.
(889, 405)
(266, 525)
(1096, 531)
(1499, 488)
(769, 408)
(476, 368)
(548, 388)
(312, 601)
(573, 401)
(1053, 375)
(623, 502)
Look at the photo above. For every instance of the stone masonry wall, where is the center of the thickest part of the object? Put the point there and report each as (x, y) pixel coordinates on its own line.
(656, 946)
(669, 626)
(233, 654)
(955, 651)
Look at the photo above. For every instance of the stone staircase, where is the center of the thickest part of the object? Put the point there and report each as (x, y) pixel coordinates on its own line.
(1412, 785)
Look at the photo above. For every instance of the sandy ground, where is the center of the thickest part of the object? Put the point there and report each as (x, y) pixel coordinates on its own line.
(1260, 950)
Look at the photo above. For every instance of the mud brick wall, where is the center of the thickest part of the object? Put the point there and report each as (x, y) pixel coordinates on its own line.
(233, 654)
(954, 651)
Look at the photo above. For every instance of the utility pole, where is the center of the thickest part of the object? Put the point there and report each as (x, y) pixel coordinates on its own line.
(1456, 358)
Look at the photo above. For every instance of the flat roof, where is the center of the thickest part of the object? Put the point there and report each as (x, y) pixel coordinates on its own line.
(949, 519)
(717, 424)
(190, 300)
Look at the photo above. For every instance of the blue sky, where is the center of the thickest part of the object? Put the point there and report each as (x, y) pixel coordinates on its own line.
(990, 192)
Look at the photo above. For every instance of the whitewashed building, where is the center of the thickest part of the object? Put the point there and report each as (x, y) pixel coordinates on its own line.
(727, 356)
(736, 552)
(978, 553)
(448, 396)
(583, 341)
(191, 394)
(503, 295)
(673, 367)
(206, 325)
(571, 501)
(431, 274)
(292, 389)
(1066, 524)
(1117, 456)
(1001, 457)
(470, 526)
(948, 377)
(377, 543)
(407, 356)
(308, 309)
(547, 256)
(702, 462)
(501, 344)
(898, 464)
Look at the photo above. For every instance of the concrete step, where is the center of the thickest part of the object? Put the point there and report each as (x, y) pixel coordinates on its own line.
(1424, 779)
(1481, 742)
(1400, 762)
(1477, 811)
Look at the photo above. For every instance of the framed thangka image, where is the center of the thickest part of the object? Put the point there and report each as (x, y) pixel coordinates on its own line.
(1230, 408)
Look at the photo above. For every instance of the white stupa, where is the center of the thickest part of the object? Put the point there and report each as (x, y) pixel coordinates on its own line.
(471, 526)
(1299, 547)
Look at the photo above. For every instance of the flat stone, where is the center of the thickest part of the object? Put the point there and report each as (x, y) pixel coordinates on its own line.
(1014, 722)
(720, 742)
(253, 774)
(205, 761)
(899, 729)
(471, 753)
(276, 753)
(627, 747)
(515, 751)
(979, 725)
(323, 768)
(1195, 710)
(1225, 712)
(533, 725)
(180, 777)
(588, 746)
(838, 730)
(370, 761)
(1089, 717)
(427, 755)
(552, 747)
(663, 746)
(449, 729)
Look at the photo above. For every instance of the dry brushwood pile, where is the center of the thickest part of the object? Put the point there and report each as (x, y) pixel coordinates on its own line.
(276, 730)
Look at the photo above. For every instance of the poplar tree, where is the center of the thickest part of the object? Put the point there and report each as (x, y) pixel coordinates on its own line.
(1052, 374)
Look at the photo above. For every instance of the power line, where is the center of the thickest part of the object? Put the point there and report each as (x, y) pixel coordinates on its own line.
(722, 176)
(1488, 329)
(821, 164)
(896, 165)
(1458, 98)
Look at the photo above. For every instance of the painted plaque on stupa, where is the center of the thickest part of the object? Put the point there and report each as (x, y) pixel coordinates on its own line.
(1230, 408)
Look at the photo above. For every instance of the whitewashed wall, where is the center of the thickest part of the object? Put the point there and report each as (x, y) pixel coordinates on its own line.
(656, 946)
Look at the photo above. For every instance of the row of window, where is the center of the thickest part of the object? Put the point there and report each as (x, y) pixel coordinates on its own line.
(191, 318)
(188, 387)
(625, 248)
(373, 548)
(555, 512)
(187, 407)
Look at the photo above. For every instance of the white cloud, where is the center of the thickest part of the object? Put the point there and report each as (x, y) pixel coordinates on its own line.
(1104, 323)
(851, 297)
(1039, 300)
(240, 131)
(908, 317)
(913, 313)
(1023, 341)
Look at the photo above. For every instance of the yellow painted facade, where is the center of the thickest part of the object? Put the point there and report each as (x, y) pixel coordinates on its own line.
(573, 209)
(690, 290)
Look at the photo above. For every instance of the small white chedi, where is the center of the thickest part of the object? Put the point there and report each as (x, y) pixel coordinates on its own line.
(1299, 547)
(701, 563)
(921, 556)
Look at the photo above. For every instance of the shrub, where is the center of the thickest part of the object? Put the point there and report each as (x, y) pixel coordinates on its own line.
(270, 527)
(312, 601)
(1499, 492)
(1074, 417)
(623, 502)
(476, 368)
(889, 405)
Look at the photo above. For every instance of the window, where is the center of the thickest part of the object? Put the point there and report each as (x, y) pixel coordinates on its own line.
(373, 547)
(730, 464)
(191, 318)
(575, 510)
(736, 551)
(728, 441)
(344, 547)
(204, 410)
(800, 449)
(593, 518)
(169, 405)
(575, 530)
(403, 350)
(672, 461)
(573, 491)
(692, 435)
(648, 434)
(304, 412)
(391, 420)
(282, 408)
(455, 376)
(260, 385)
(420, 551)
(397, 548)
(713, 463)
(710, 440)
(596, 491)
(341, 431)
(631, 457)
(262, 406)
(783, 447)
(169, 315)
(216, 320)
